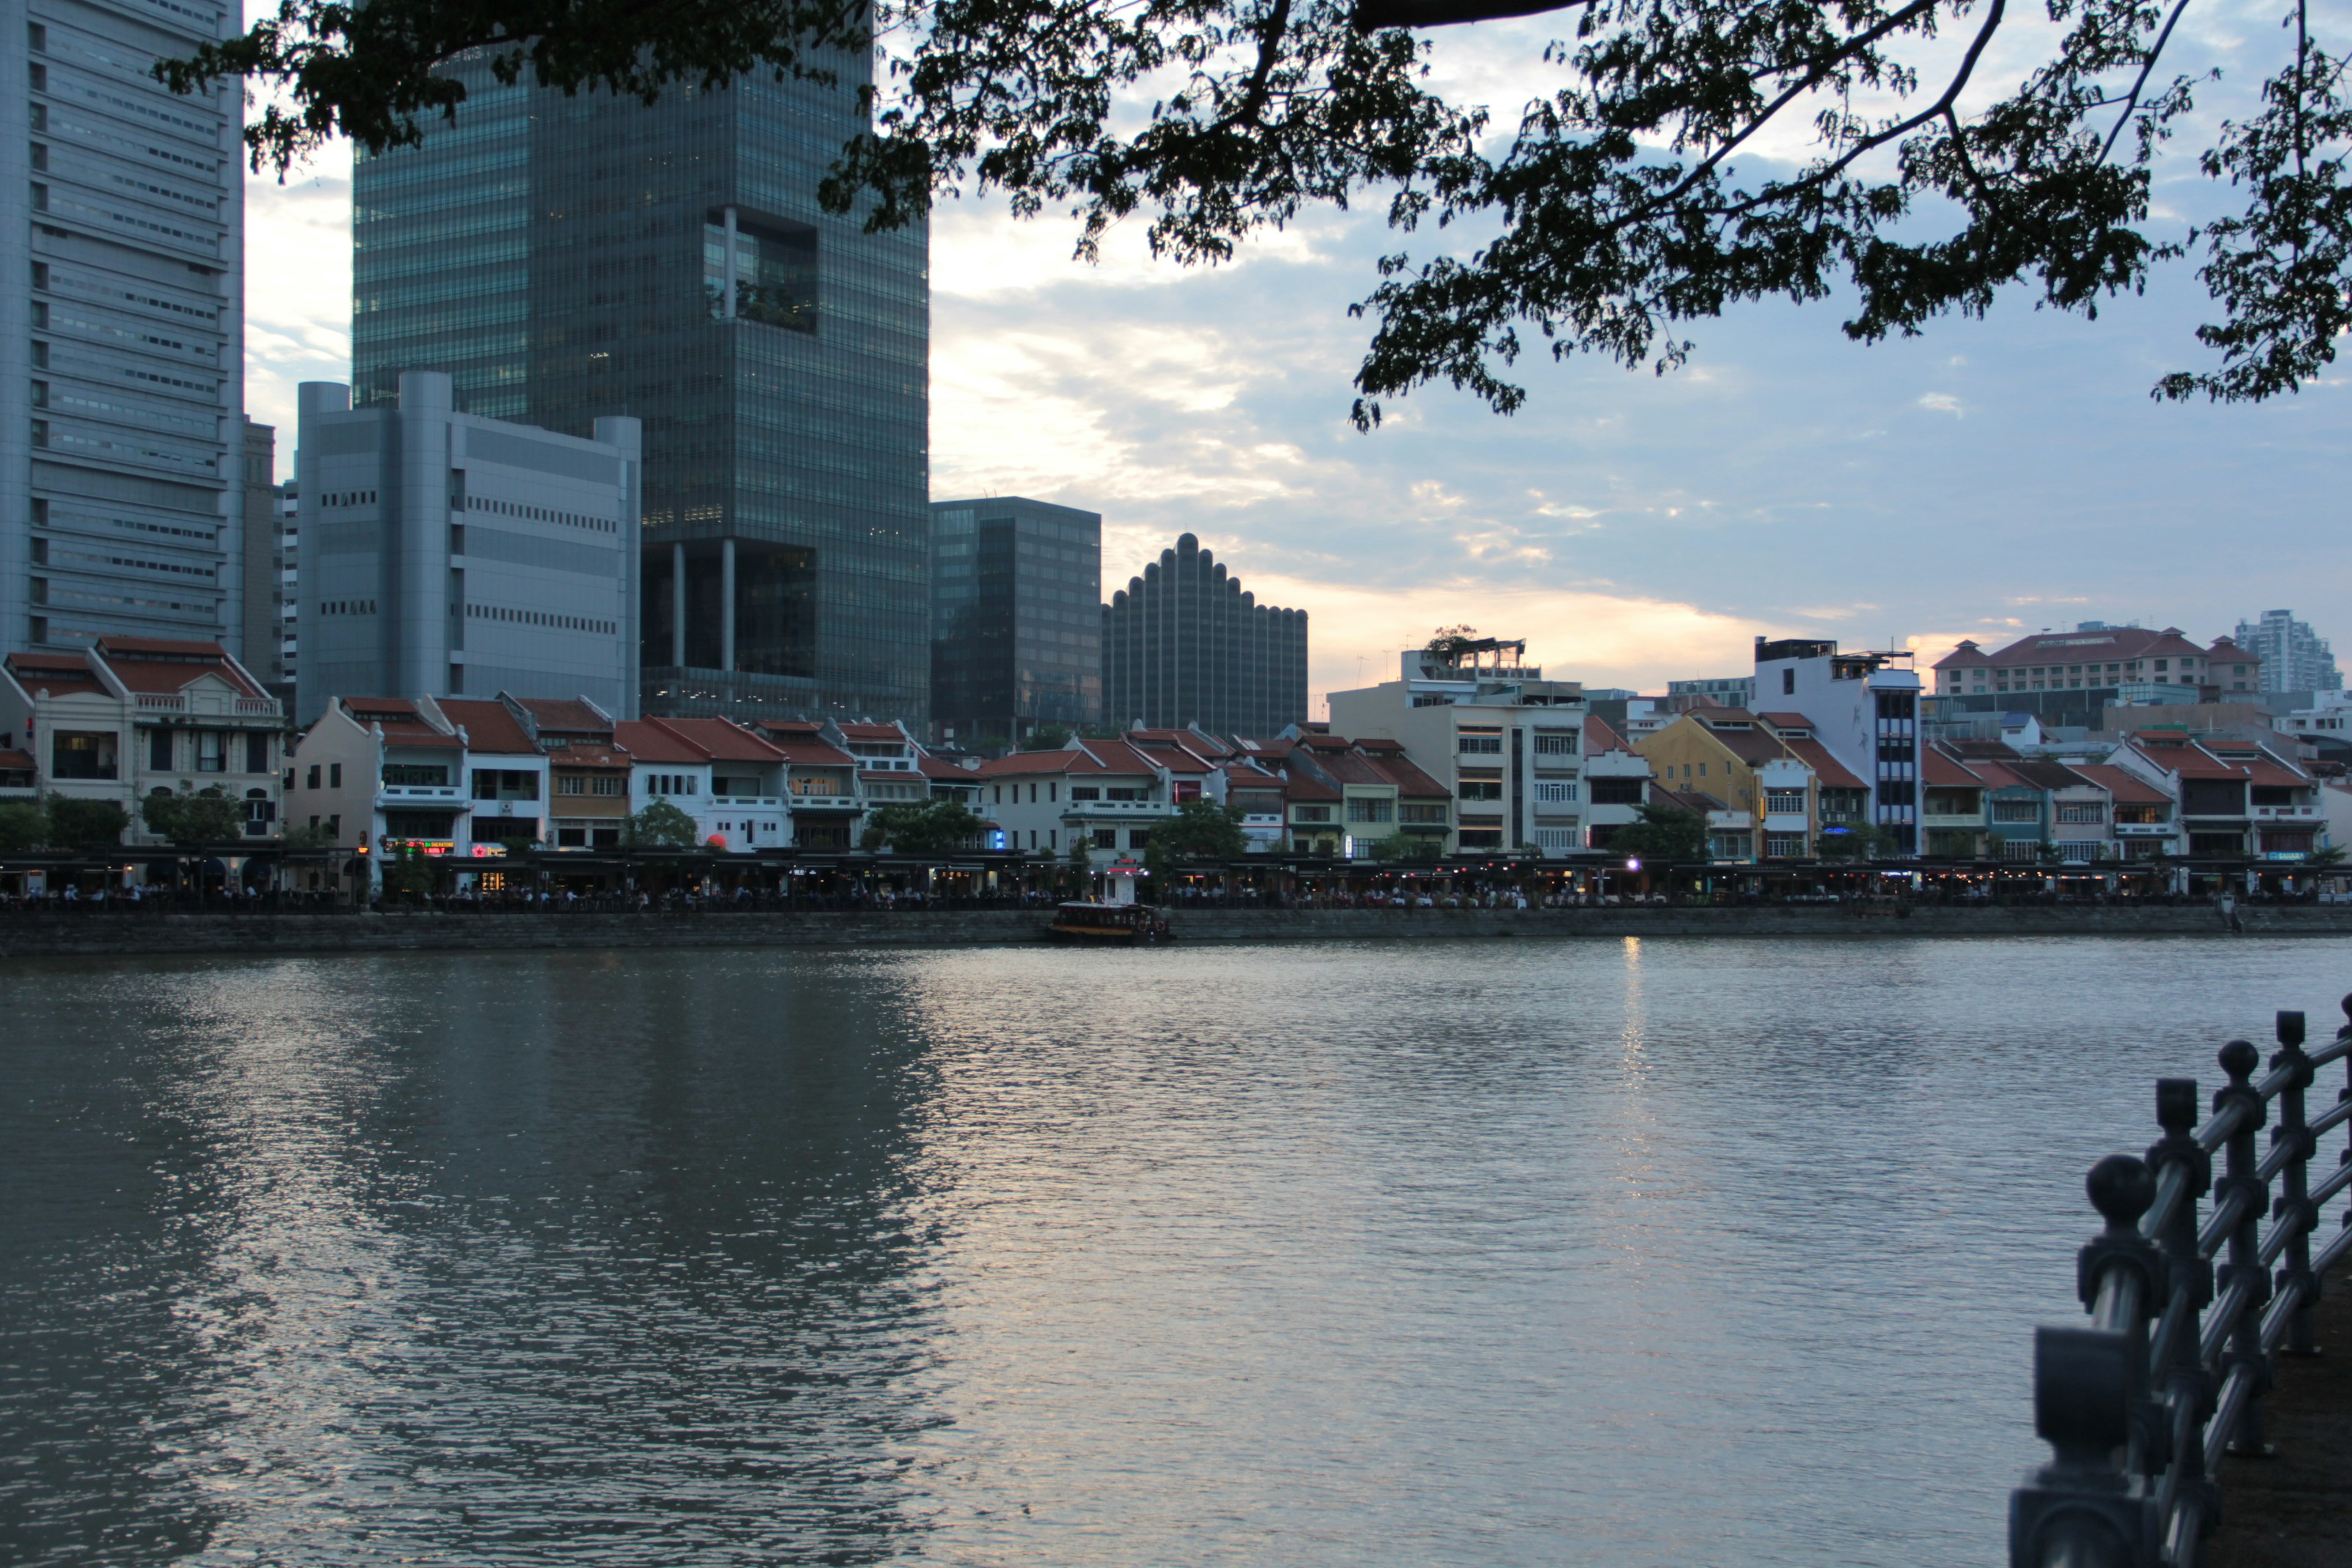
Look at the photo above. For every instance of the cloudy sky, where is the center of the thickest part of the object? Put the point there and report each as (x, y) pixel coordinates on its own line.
(1992, 478)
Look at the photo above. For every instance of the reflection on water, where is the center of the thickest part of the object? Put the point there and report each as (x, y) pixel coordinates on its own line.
(1659, 1253)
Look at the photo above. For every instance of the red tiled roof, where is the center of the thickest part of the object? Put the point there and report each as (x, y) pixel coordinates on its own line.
(1941, 769)
(2116, 643)
(888, 775)
(165, 645)
(489, 728)
(13, 762)
(566, 716)
(1410, 779)
(2122, 786)
(58, 674)
(1787, 721)
(648, 740)
(590, 754)
(402, 722)
(1023, 763)
(1827, 770)
(873, 732)
(939, 768)
(1598, 737)
(1118, 757)
(723, 740)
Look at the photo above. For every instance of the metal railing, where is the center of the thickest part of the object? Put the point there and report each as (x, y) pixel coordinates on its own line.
(2189, 1314)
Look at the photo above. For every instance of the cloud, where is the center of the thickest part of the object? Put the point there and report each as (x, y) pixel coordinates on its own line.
(1942, 402)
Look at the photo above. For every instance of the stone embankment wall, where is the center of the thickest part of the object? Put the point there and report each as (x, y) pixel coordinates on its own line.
(23, 936)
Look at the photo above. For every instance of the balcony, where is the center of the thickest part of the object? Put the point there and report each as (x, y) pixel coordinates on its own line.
(211, 705)
(420, 794)
(1116, 808)
(2144, 829)
(2286, 814)
(1964, 821)
(813, 802)
(749, 802)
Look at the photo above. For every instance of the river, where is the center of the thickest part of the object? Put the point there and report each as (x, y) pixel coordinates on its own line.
(1673, 1253)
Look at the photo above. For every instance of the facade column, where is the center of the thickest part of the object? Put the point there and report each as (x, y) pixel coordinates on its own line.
(729, 275)
(677, 606)
(727, 604)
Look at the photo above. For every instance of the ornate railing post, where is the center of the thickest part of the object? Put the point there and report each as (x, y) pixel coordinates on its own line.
(2088, 1508)
(2183, 1389)
(2294, 1207)
(2245, 1272)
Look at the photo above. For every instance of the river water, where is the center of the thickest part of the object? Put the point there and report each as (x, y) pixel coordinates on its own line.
(1667, 1252)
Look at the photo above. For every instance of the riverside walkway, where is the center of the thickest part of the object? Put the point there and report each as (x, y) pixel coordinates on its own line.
(2293, 1509)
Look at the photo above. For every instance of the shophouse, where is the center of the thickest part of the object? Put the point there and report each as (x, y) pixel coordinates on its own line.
(1951, 807)
(728, 780)
(131, 717)
(820, 784)
(1615, 780)
(1261, 795)
(1105, 796)
(587, 769)
(2140, 820)
(1425, 807)
(1491, 731)
(379, 773)
(1731, 756)
(506, 775)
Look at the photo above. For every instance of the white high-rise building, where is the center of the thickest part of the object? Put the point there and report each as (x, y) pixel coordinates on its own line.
(446, 555)
(2293, 658)
(122, 329)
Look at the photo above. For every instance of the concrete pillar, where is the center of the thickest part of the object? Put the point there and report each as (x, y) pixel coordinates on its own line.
(677, 606)
(726, 603)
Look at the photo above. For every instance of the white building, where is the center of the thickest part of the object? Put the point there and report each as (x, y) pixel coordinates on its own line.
(130, 716)
(443, 554)
(121, 329)
(1508, 743)
(728, 779)
(1864, 708)
(2295, 657)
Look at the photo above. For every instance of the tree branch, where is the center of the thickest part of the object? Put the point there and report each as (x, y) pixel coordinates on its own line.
(2131, 101)
(1372, 15)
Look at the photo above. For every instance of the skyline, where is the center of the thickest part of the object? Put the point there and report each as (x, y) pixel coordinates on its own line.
(1988, 480)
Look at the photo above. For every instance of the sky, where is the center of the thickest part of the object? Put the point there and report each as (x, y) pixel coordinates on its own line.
(1988, 480)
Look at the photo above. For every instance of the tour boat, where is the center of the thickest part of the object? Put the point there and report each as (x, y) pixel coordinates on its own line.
(1084, 922)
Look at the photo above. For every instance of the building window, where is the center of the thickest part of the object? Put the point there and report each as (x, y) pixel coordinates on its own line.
(211, 756)
(1363, 809)
(1409, 812)
(256, 752)
(1137, 837)
(1555, 743)
(1479, 789)
(1552, 792)
(313, 781)
(2024, 849)
(2017, 811)
(1784, 802)
(413, 775)
(1479, 745)
(1784, 845)
(2082, 811)
(1106, 838)
(608, 784)
(159, 750)
(1310, 814)
(82, 754)
(334, 775)
(571, 784)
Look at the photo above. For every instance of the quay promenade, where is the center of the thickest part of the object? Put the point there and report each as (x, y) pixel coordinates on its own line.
(28, 932)
(2293, 1508)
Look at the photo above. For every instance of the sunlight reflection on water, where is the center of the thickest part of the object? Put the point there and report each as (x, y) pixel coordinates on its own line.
(1667, 1252)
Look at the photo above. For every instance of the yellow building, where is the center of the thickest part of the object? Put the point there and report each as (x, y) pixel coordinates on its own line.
(1770, 787)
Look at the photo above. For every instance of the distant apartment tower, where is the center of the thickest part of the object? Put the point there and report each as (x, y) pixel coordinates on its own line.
(1864, 708)
(2293, 658)
(445, 554)
(1185, 644)
(122, 329)
(1718, 692)
(565, 257)
(1016, 619)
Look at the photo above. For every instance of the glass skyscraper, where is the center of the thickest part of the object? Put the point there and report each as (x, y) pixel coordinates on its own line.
(563, 258)
(1185, 644)
(121, 329)
(1016, 619)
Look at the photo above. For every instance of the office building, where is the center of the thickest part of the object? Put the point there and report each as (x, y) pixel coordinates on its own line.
(1017, 619)
(447, 554)
(121, 329)
(565, 258)
(260, 530)
(1186, 644)
(2294, 658)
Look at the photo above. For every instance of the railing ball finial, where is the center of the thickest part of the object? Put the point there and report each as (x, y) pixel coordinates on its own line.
(2347, 1005)
(2239, 1058)
(2122, 1190)
(2290, 1028)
